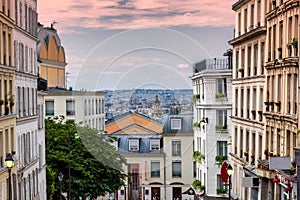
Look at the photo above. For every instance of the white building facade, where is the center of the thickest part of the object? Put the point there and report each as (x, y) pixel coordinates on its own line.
(27, 134)
(212, 125)
(86, 108)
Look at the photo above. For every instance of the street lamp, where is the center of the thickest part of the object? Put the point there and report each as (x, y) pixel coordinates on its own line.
(76, 136)
(60, 178)
(229, 172)
(9, 163)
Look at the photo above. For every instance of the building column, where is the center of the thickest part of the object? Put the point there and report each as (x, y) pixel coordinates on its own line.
(7, 47)
(1, 43)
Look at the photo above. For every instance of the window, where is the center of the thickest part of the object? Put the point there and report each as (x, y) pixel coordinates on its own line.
(220, 184)
(222, 148)
(154, 144)
(155, 169)
(221, 86)
(222, 117)
(50, 107)
(70, 107)
(176, 124)
(133, 145)
(176, 148)
(176, 169)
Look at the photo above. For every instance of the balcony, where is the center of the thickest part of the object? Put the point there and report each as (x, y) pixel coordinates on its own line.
(211, 64)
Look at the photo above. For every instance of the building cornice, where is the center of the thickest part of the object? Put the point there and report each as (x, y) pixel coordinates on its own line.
(26, 119)
(259, 31)
(140, 155)
(7, 69)
(73, 93)
(25, 74)
(247, 122)
(33, 37)
(7, 20)
(249, 80)
(286, 62)
(281, 9)
(293, 119)
(239, 4)
(52, 63)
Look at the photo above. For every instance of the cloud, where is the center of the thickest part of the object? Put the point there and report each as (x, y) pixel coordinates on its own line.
(134, 14)
(183, 65)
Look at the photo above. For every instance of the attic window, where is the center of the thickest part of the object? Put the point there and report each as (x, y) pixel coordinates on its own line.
(176, 124)
(133, 145)
(154, 144)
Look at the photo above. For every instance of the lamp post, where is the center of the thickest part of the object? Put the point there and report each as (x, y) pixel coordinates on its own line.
(9, 163)
(60, 178)
(69, 145)
(229, 172)
(76, 136)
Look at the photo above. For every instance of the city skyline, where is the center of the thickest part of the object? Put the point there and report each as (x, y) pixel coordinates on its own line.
(120, 52)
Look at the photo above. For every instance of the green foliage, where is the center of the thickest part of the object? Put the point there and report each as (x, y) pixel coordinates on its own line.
(50, 182)
(220, 127)
(196, 97)
(221, 191)
(220, 95)
(220, 159)
(196, 125)
(197, 185)
(295, 41)
(89, 174)
(197, 156)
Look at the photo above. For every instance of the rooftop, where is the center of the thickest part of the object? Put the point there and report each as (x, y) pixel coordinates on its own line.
(212, 64)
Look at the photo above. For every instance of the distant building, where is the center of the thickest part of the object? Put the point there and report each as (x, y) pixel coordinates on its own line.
(51, 57)
(156, 110)
(83, 107)
(212, 125)
(159, 156)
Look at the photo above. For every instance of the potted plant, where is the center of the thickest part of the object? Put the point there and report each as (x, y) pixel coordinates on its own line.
(220, 159)
(196, 97)
(220, 127)
(220, 95)
(295, 42)
(11, 101)
(6, 112)
(198, 157)
(196, 125)
(197, 185)
(221, 191)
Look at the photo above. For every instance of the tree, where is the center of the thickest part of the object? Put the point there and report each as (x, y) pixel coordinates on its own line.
(95, 164)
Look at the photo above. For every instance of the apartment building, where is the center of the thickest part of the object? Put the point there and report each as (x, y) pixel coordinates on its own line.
(159, 156)
(248, 79)
(212, 125)
(265, 83)
(86, 108)
(7, 107)
(51, 57)
(280, 95)
(29, 174)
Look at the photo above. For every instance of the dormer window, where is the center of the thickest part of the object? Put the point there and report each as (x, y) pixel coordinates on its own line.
(133, 144)
(154, 144)
(176, 123)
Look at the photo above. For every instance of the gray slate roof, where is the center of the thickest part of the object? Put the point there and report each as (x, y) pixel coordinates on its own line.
(186, 124)
(144, 142)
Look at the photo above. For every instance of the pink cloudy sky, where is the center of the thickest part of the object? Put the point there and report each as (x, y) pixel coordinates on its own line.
(84, 24)
(132, 14)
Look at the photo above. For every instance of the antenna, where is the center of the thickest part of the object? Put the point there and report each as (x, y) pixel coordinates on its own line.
(52, 24)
